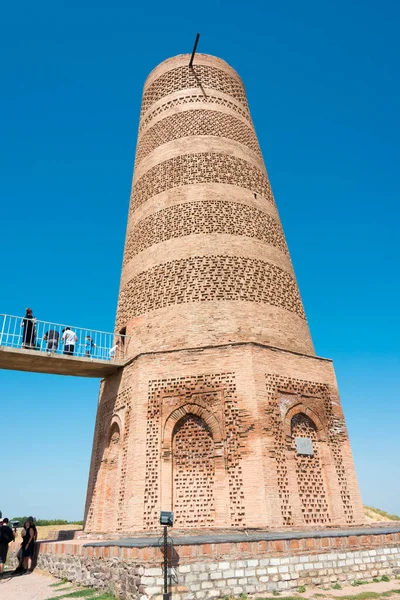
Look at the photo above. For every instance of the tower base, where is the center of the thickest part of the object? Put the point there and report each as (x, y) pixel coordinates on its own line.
(234, 436)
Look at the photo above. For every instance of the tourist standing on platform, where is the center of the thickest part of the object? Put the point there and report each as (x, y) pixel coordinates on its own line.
(89, 345)
(114, 350)
(52, 337)
(28, 325)
(6, 536)
(28, 545)
(69, 338)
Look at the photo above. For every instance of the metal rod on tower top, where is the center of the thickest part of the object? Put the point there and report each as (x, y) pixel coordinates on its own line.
(194, 50)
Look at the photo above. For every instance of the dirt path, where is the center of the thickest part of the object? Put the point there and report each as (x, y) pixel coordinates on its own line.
(36, 586)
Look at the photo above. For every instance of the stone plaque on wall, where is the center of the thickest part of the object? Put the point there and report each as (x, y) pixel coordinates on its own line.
(304, 446)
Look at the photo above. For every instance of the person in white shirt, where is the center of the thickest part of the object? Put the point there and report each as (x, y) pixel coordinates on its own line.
(69, 338)
(113, 350)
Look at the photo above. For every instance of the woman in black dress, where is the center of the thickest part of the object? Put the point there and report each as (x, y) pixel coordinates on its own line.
(28, 545)
(28, 329)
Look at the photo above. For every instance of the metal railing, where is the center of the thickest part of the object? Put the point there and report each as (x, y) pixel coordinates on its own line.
(28, 333)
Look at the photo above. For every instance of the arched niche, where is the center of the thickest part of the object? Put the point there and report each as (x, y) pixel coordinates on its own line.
(193, 448)
(111, 476)
(193, 472)
(307, 447)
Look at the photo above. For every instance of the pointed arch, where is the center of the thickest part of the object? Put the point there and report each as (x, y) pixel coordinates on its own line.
(193, 472)
(308, 412)
(111, 474)
(212, 454)
(195, 409)
(309, 469)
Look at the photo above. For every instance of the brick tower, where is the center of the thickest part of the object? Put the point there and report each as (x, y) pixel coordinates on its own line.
(223, 413)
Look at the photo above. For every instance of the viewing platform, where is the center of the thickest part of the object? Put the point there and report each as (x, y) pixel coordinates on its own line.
(27, 344)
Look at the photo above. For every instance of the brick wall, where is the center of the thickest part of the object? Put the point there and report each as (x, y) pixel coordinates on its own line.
(214, 570)
(199, 184)
(238, 419)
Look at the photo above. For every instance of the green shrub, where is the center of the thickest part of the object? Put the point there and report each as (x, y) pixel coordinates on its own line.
(46, 522)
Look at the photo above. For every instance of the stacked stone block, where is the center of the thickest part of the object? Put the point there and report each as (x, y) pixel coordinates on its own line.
(217, 570)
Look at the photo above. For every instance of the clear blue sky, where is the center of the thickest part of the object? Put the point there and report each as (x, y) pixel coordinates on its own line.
(323, 86)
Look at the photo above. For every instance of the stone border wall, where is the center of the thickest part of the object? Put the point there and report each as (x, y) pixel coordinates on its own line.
(203, 571)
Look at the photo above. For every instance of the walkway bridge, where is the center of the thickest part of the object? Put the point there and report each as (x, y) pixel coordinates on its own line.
(44, 347)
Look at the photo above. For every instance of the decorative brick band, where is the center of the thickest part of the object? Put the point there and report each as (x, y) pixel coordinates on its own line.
(202, 167)
(199, 76)
(194, 99)
(196, 122)
(206, 279)
(205, 217)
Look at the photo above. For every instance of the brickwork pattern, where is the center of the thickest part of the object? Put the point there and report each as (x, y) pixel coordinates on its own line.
(236, 295)
(203, 76)
(173, 155)
(315, 394)
(194, 123)
(194, 99)
(309, 471)
(193, 473)
(337, 435)
(207, 279)
(200, 167)
(97, 485)
(204, 217)
(184, 388)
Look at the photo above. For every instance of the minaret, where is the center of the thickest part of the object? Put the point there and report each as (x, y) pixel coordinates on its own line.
(205, 261)
(223, 413)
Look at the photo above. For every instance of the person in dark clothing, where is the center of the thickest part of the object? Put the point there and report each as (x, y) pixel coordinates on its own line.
(28, 329)
(32, 521)
(28, 545)
(6, 536)
(52, 338)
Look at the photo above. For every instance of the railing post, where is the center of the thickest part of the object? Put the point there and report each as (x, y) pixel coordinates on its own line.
(2, 329)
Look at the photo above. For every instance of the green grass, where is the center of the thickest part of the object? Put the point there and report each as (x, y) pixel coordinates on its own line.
(85, 593)
(88, 593)
(362, 596)
(62, 582)
(369, 595)
(387, 516)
